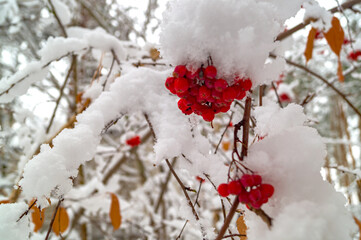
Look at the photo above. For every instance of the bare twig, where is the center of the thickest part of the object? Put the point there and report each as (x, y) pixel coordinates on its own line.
(61, 93)
(53, 218)
(58, 19)
(278, 96)
(228, 219)
(224, 132)
(27, 211)
(323, 80)
(180, 234)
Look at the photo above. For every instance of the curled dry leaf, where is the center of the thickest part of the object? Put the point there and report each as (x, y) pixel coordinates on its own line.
(309, 45)
(61, 221)
(114, 212)
(242, 227)
(358, 222)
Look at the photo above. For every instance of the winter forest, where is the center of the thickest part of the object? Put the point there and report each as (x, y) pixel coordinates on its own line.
(180, 119)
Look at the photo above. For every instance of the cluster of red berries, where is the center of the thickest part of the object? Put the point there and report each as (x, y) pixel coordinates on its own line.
(354, 55)
(204, 94)
(249, 189)
(133, 142)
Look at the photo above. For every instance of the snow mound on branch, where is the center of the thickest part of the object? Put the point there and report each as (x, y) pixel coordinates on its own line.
(238, 35)
(304, 206)
(138, 90)
(9, 228)
(63, 11)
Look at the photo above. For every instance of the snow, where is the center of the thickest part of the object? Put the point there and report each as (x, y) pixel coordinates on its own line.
(238, 35)
(9, 228)
(62, 11)
(290, 158)
(322, 17)
(79, 39)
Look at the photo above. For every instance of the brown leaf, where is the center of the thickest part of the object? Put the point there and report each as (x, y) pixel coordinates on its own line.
(37, 216)
(226, 145)
(114, 212)
(242, 227)
(154, 54)
(341, 78)
(335, 36)
(309, 45)
(358, 222)
(61, 221)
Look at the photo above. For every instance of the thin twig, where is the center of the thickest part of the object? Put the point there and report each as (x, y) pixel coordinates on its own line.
(61, 93)
(235, 235)
(180, 234)
(323, 80)
(228, 219)
(278, 96)
(224, 132)
(58, 19)
(53, 218)
(27, 211)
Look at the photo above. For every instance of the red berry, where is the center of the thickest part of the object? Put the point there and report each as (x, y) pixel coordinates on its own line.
(209, 83)
(208, 115)
(257, 179)
(241, 95)
(220, 85)
(223, 190)
(200, 179)
(210, 72)
(181, 85)
(247, 84)
(134, 141)
(247, 180)
(243, 196)
(225, 108)
(187, 111)
(285, 98)
(255, 195)
(235, 187)
(256, 205)
(194, 91)
(216, 94)
(169, 84)
(267, 190)
(229, 94)
(180, 71)
(204, 92)
(182, 104)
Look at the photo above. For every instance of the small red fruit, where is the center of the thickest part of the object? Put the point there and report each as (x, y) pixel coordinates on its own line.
(169, 84)
(209, 83)
(229, 94)
(220, 85)
(284, 97)
(181, 85)
(257, 180)
(134, 141)
(235, 187)
(255, 195)
(243, 197)
(210, 72)
(247, 180)
(193, 74)
(179, 71)
(182, 104)
(204, 92)
(267, 190)
(208, 115)
(247, 84)
(223, 190)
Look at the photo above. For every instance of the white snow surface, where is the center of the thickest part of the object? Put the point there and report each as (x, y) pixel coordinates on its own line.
(290, 158)
(9, 228)
(138, 90)
(322, 17)
(238, 35)
(79, 40)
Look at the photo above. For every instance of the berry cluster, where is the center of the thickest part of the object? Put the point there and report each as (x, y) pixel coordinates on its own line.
(202, 93)
(134, 141)
(354, 55)
(250, 190)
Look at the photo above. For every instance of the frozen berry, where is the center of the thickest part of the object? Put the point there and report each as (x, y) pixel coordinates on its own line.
(223, 190)
(216, 95)
(255, 195)
(235, 187)
(192, 74)
(257, 180)
(220, 85)
(229, 94)
(181, 85)
(247, 84)
(209, 83)
(243, 196)
(208, 115)
(284, 97)
(204, 92)
(134, 141)
(179, 71)
(210, 72)
(182, 104)
(267, 190)
(247, 180)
